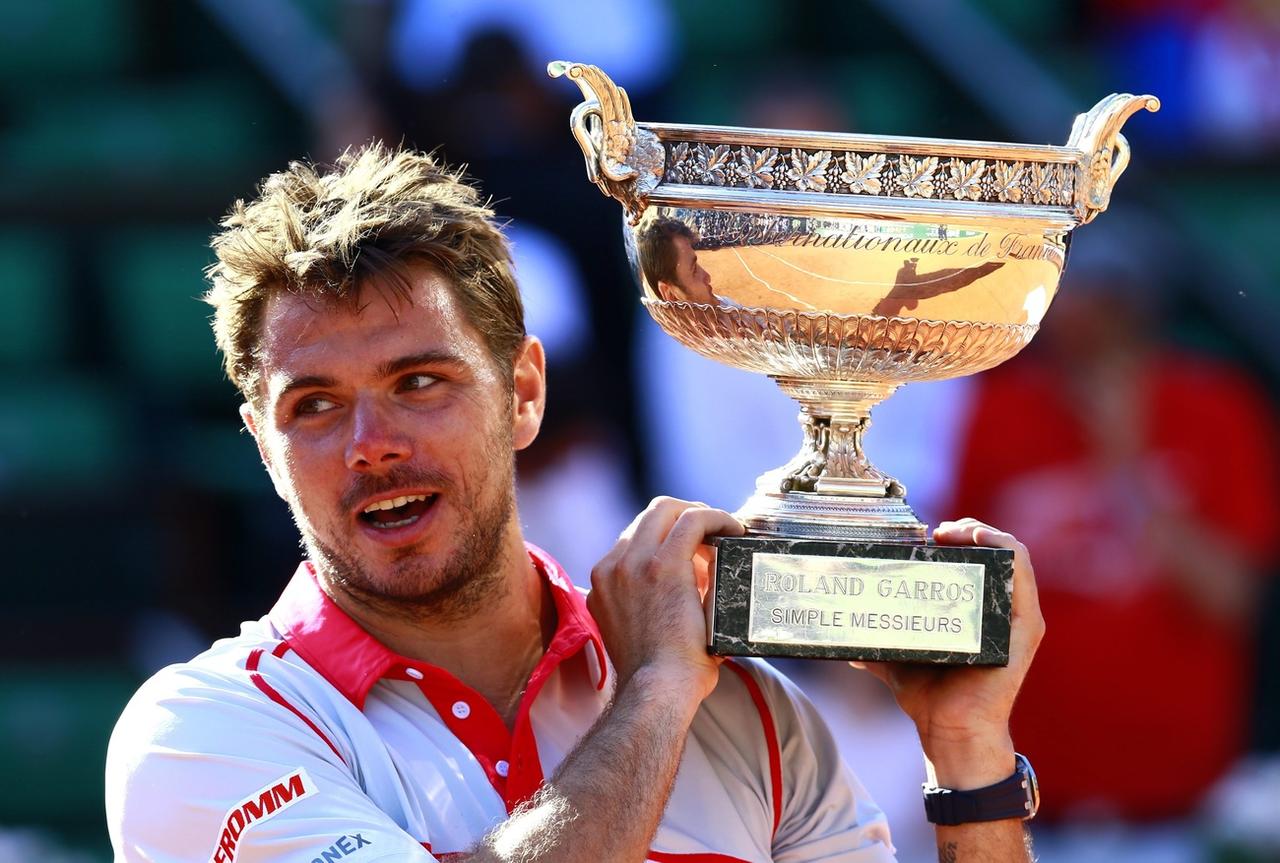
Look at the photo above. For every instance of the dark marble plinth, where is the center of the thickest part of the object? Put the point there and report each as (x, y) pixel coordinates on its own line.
(730, 609)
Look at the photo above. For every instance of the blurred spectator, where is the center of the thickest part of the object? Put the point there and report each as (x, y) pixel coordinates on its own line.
(1236, 58)
(1142, 479)
(633, 39)
(1214, 63)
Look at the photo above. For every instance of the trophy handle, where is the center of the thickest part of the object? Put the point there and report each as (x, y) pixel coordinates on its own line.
(623, 159)
(1104, 152)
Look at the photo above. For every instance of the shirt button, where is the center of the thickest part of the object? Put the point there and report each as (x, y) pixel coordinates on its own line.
(414, 673)
(502, 768)
(461, 709)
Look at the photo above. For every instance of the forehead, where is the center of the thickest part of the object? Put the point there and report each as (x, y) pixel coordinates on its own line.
(309, 336)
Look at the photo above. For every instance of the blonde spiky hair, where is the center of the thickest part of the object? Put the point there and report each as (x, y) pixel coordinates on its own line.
(327, 233)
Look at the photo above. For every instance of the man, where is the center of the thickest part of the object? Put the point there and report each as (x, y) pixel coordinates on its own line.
(670, 264)
(428, 686)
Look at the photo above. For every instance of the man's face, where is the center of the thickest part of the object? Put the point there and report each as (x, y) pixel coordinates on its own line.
(693, 283)
(391, 431)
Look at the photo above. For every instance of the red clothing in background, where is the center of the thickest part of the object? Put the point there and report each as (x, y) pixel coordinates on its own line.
(1137, 700)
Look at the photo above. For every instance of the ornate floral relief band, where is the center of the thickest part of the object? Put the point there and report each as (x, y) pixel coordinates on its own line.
(886, 174)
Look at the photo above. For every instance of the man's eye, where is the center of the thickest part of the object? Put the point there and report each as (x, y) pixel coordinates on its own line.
(315, 405)
(417, 382)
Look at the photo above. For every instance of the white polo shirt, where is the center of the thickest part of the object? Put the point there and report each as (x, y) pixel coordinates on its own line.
(305, 740)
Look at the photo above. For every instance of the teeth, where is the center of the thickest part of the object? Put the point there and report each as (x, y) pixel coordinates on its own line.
(392, 503)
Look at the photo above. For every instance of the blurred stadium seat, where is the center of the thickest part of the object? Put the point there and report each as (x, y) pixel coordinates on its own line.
(60, 432)
(54, 726)
(153, 279)
(34, 326)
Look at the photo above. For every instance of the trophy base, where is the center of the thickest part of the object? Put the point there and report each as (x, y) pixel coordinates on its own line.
(876, 602)
(838, 517)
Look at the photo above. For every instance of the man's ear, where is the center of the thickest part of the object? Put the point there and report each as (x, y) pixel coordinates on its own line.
(529, 392)
(250, 423)
(668, 292)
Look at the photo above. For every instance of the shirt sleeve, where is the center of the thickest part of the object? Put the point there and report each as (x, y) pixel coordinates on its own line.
(826, 813)
(204, 769)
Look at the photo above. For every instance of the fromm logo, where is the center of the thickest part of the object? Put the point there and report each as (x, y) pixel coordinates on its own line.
(258, 806)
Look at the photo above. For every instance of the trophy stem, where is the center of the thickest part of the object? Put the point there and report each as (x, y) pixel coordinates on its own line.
(830, 489)
(834, 417)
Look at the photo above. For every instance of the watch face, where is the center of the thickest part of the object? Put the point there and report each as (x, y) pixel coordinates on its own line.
(1031, 784)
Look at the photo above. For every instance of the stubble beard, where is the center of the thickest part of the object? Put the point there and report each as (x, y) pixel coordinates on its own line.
(448, 590)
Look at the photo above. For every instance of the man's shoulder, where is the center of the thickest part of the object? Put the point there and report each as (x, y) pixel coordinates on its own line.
(755, 700)
(223, 661)
(755, 692)
(759, 679)
(211, 688)
(201, 738)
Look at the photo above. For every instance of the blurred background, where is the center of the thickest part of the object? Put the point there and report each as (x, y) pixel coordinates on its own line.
(1133, 446)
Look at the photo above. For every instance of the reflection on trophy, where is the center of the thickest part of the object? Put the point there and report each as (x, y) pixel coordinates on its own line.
(844, 266)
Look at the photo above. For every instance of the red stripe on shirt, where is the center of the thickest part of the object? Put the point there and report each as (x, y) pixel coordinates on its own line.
(445, 856)
(770, 736)
(251, 664)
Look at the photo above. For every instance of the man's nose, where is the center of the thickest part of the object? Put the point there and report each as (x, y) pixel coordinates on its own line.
(376, 439)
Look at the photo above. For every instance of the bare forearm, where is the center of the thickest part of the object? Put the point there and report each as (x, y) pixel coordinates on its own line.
(962, 716)
(977, 763)
(605, 801)
(989, 842)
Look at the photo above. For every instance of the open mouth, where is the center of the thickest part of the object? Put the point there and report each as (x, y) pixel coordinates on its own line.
(397, 511)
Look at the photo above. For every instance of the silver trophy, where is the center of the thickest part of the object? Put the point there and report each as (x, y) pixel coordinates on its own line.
(844, 266)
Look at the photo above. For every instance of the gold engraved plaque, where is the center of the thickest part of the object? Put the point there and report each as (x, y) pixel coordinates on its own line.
(860, 602)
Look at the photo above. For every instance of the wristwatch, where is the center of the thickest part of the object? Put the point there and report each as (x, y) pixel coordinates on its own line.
(1015, 797)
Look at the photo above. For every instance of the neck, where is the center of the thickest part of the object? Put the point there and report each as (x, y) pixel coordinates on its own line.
(492, 647)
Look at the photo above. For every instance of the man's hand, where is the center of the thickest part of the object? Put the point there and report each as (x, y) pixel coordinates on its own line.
(607, 797)
(962, 713)
(646, 596)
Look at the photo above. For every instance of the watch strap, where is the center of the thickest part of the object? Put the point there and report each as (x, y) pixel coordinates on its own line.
(1014, 797)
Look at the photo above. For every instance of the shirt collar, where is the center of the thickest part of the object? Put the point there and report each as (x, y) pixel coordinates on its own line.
(353, 660)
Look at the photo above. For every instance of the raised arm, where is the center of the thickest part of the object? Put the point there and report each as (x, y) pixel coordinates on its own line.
(962, 714)
(606, 799)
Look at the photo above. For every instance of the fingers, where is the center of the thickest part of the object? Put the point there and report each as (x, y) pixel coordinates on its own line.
(646, 530)
(966, 531)
(647, 593)
(656, 520)
(878, 670)
(1028, 622)
(691, 530)
(702, 562)
(670, 531)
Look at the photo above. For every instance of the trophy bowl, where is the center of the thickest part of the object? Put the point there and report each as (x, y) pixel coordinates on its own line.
(844, 266)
